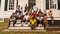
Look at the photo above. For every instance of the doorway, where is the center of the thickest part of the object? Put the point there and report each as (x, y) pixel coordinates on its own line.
(31, 3)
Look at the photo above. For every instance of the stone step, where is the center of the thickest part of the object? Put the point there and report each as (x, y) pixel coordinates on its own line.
(40, 25)
(39, 28)
(11, 23)
(54, 18)
(24, 25)
(19, 28)
(18, 22)
(25, 28)
(18, 25)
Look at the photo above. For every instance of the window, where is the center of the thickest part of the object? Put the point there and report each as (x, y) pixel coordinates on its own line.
(51, 4)
(58, 4)
(11, 4)
(6, 4)
(0, 4)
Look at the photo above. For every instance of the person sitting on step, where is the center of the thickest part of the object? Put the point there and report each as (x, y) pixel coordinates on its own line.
(12, 19)
(31, 15)
(26, 18)
(33, 23)
(51, 16)
(35, 14)
(40, 19)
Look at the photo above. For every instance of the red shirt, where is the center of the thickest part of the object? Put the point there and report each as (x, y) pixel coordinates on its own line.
(50, 13)
(35, 14)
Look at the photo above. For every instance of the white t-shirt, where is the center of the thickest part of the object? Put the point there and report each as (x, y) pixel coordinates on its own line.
(26, 16)
(35, 8)
(42, 17)
(24, 13)
(39, 17)
(32, 11)
(17, 13)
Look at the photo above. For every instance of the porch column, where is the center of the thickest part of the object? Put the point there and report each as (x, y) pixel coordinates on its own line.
(15, 5)
(2, 5)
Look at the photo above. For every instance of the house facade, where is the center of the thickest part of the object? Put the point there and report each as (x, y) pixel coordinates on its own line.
(7, 7)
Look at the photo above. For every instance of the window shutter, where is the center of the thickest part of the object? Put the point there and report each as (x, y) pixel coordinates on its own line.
(58, 4)
(0, 4)
(6, 4)
(47, 4)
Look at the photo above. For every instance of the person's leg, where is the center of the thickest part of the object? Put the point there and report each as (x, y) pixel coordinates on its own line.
(14, 22)
(31, 26)
(44, 26)
(21, 18)
(28, 22)
(9, 24)
(38, 22)
(34, 25)
(42, 22)
(24, 21)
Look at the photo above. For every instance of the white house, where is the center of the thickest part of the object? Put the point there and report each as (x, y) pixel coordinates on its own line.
(7, 7)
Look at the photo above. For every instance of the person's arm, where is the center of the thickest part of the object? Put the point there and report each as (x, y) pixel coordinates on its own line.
(28, 17)
(46, 13)
(24, 18)
(35, 23)
(49, 13)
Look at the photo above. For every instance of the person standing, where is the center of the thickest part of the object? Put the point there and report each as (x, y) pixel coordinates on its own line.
(19, 7)
(31, 10)
(34, 8)
(26, 18)
(12, 19)
(26, 8)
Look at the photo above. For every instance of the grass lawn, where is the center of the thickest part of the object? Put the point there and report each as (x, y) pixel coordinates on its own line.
(4, 26)
(17, 32)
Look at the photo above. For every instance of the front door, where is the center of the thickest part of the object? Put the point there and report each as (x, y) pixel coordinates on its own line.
(31, 3)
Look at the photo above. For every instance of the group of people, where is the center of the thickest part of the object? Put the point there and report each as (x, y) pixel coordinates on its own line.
(31, 16)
